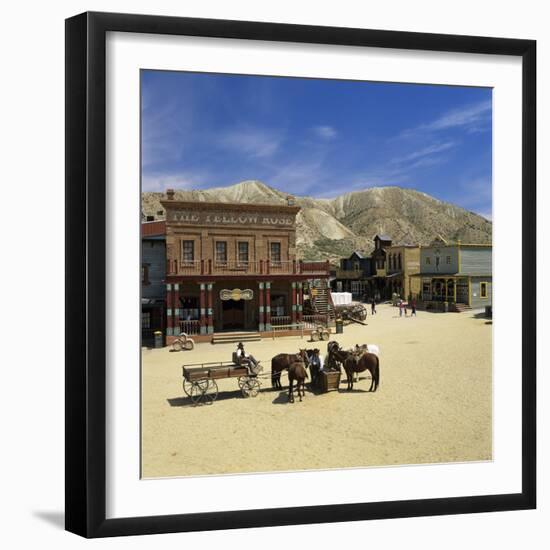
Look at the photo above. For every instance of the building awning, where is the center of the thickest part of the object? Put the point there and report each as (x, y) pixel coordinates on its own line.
(436, 275)
(152, 302)
(450, 275)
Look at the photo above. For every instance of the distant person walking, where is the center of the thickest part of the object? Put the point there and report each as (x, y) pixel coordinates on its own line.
(400, 308)
(373, 307)
(413, 307)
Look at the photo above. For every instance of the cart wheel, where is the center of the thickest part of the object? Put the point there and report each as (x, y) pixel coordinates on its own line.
(189, 344)
(250, 387)
(187, 386)
(242, 381)
(315, 336)
(325, 335)
(211, 393)
(177, 345)
(205, 391)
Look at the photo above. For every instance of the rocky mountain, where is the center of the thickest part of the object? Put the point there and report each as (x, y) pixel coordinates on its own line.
(332, 228)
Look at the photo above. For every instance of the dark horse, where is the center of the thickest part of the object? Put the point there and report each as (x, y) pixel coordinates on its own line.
(336, 355)
(296, 371)
(361, 363)
(282, 362)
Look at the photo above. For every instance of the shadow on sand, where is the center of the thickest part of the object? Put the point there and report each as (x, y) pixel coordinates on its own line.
(185, 401)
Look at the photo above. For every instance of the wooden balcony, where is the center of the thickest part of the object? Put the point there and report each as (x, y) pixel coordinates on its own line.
(349, 274)
(234, 268)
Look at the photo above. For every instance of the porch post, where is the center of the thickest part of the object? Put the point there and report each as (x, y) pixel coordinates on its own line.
(169, 318)
(294, 308)
(268, 306)
(203, 308)
(261, 306)
(176, 302)
(300, 301)
(210, 322)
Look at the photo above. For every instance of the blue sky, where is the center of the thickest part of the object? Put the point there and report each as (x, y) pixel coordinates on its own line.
(316, 137)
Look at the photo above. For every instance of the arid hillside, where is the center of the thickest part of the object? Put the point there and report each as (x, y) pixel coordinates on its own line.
(331, 228)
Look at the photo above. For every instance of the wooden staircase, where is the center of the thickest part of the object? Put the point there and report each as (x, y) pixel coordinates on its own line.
(322, 302)
(235, 337)
(460, 308)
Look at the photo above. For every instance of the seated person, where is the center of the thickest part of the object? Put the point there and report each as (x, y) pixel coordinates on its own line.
(246, 360)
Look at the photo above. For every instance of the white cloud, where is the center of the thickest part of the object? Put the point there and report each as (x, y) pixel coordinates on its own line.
(471, 117)
(466, 116)
(302, 177)
(425, 152)
(253, 142)
(427, 156)
(325, 132)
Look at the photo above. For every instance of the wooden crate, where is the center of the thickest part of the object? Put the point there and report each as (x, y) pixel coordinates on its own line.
(330, 380)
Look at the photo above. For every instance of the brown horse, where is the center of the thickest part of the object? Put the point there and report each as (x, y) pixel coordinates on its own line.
(282, 362)
(336, 355)
(296, 371)
(367, 361)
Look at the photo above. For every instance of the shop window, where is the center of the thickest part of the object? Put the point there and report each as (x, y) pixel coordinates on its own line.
(278, 305)
(221, 252)
(275, 253)
(145, 319)
(483, 290)
(242, 252)
(187, 252)
(145, 274)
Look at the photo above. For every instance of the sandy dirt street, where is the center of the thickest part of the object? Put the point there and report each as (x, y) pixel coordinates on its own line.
(433, 405)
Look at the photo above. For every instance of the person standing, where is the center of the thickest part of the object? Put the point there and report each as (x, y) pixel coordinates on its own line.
(400, 308)
(413, 307)
(317, 366)
(373, 307)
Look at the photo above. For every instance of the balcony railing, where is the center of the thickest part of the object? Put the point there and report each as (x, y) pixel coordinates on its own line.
(234, 267)
(190, 327)
(280, 320)
(311, 321)
(349, 274)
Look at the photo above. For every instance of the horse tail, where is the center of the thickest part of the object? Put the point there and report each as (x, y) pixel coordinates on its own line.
(273, 374)
(377, 372)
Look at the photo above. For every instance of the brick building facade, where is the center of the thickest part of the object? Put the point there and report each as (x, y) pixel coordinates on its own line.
(233, 267)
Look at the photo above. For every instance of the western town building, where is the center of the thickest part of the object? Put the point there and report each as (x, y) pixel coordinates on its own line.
(352, 274)
(457, 273)
(234, 267)
(387, 270)
(153, 279)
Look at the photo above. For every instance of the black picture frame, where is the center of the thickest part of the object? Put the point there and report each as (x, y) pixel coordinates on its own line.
(86, 275)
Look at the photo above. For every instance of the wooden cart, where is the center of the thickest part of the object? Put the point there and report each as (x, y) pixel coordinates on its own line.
(199, 380)
(320, 332)
(183, 342)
